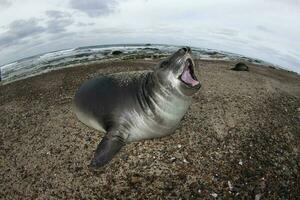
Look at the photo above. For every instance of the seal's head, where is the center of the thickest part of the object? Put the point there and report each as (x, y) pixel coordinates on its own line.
(178, 72)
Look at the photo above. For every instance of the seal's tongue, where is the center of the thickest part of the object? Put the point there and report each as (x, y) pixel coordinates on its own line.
(187, 77)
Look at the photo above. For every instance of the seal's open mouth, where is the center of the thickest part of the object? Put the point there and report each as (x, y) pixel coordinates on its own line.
(188, 76)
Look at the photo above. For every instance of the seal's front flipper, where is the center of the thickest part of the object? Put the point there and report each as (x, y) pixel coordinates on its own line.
(109, 146)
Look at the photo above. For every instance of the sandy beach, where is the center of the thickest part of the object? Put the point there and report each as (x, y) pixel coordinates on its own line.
(240, 139)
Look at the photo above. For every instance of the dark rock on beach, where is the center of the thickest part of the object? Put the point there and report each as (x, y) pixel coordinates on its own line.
(240, 67)
(240, 139)
(116, 53)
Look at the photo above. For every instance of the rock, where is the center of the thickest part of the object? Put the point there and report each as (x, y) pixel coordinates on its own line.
(230, 185)
(215, 195)
(258, 196)
(136, 179)
(159, 184)
(173, 159)
(116, 53)
(240, 162)
(240, 67)
(216, 177)
(272, 67)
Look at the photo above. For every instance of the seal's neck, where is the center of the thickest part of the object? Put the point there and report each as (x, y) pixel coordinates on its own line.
(164, 88)
(156, 95)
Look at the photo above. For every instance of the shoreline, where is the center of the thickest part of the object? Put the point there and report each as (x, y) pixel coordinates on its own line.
(5, 82)
(42, 63)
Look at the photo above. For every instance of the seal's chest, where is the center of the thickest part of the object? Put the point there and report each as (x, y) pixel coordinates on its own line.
(162, 122)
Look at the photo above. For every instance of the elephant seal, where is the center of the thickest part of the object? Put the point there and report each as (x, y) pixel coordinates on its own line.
(240, 67)
(132, 106)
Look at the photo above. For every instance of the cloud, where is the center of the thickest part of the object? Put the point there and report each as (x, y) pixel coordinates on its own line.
(57, 14)
(58, 21)
(94, 8)
(263, 28)
(225, 32)
(82, 24)
(19, 30)
(58, 26)
(5, 3)
(288, 2)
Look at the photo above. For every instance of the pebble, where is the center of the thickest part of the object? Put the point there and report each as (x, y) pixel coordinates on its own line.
(240, 162)
(230, 186)
(257, 196)
(215, 195)
(173, 159)
(179, 146)
(135, 179)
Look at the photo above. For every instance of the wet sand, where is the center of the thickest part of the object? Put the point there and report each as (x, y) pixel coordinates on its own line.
(239, 139)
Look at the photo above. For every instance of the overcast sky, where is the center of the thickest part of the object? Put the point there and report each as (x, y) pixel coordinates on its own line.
(265, 29)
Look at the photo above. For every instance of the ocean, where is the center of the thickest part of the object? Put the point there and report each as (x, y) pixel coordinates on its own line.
(46, 62)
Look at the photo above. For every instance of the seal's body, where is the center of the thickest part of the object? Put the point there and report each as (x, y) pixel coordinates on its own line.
(137, 105)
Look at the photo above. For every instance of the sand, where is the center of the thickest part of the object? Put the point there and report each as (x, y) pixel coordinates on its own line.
(239, 139)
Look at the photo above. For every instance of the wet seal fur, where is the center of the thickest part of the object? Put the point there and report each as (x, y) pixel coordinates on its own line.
(132, 106)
